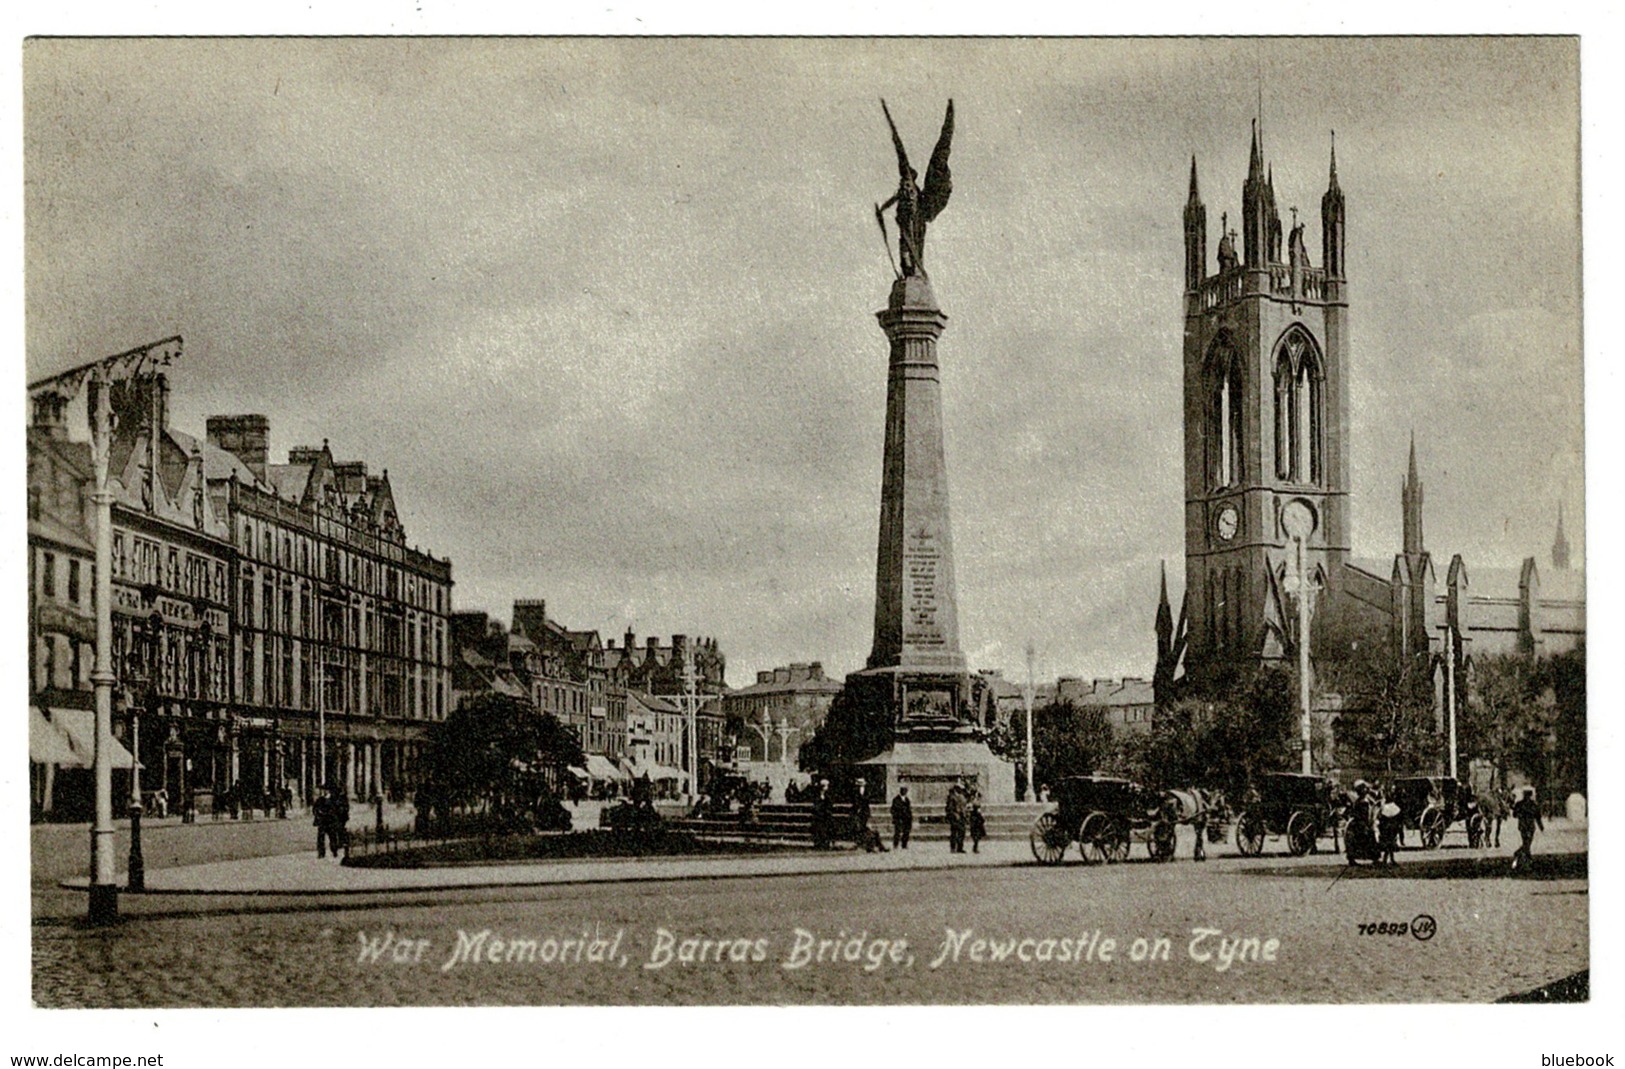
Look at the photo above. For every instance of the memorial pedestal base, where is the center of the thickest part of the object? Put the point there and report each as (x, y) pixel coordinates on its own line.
(928, 769)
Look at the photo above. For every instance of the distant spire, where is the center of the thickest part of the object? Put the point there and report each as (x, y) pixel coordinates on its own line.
(1560, 545)
(1410, 498)
(1164, 595)
(1333, 184)
(1256, 163)
(1194, 195)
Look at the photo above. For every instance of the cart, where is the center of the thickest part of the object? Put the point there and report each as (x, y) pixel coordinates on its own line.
(1431, 804)
(1289, 804)
(1104, 815)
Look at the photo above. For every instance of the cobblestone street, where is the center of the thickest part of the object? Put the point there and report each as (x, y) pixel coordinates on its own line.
(1495, 936)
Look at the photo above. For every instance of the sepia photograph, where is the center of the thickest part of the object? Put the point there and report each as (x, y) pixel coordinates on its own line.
(810, 522)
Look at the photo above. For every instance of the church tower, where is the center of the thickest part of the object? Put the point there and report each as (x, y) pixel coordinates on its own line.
(1266, 412)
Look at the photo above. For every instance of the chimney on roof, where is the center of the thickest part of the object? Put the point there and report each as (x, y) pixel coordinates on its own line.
(248, 438)
(815, 670)
(631, 639)
(764, 675)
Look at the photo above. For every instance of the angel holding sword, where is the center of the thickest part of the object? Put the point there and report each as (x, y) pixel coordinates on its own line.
(916, 206)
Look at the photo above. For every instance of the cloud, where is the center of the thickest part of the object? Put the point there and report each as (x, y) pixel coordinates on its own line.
(604, 308)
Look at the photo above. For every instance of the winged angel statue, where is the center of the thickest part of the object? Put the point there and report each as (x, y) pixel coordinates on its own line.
(916, 207)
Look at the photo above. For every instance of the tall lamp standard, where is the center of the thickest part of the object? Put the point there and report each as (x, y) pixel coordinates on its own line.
(140, 664)
(1299, 523)
(693, 722)
(786, 729)
(96, 379)
(1027, 703)
(765, 730)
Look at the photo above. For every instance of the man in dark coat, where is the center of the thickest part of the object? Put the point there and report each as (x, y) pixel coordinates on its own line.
(823, 815)
(954, 810)
(902, 819)
(1527, 813)
(865, 836)
(321, 815)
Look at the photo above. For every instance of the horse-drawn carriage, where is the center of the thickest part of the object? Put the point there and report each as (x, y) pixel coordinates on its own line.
(1290, 804)
(1104, 815)
(1431, 804)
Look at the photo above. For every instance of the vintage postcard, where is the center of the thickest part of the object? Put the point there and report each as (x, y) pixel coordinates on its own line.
(819, 522)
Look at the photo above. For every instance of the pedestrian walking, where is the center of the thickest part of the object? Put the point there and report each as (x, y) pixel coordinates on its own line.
(321, 815)
(865, 836)
(1495, 811)
(1389, 825)
(954, 811)
(1199, 826)
(1527, 813)
(822, 816)
(902, 819)
(978, 823)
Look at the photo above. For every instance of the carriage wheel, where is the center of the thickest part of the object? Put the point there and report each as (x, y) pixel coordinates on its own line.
(1095, 839)
(1476, 830)
(1117, 843)
(1301, 833)
(1433, 824)
(1163, 840)
(1048, 840)
(1250, 834)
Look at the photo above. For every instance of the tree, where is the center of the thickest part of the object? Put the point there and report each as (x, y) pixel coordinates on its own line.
(1565, 677)
(1242, 724)
(1170, 754)
(856, 728)
(495, 751)
(1069, 740)
(1388, 725)
(1530, 715)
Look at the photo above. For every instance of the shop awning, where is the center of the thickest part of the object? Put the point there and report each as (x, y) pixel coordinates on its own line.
(579, 773)
(600, 767)
(80, 727)
(47, 745)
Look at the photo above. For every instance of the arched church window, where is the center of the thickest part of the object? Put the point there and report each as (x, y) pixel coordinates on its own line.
(1299, 408)
(1225, 423)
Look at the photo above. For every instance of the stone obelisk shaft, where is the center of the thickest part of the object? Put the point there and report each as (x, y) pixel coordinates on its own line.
(916, 618)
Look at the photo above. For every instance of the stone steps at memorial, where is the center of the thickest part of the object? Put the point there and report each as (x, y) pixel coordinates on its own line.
(792, 822)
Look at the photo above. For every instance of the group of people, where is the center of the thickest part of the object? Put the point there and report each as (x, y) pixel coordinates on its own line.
(331, 815)
(962, 812)
(1376, 825)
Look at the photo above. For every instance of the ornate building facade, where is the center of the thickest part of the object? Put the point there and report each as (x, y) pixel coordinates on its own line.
(1266, 409)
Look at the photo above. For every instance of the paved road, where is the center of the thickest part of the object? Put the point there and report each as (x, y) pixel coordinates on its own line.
(1494, 936)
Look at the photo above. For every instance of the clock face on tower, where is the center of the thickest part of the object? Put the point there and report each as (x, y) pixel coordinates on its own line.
(1227, 523)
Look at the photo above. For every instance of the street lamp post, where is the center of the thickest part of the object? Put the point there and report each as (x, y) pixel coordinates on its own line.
(693, 722)
(786, 729)
(1027, 702)
(1450, 689)
(99, 376)
(765, 730)
(1299, 523)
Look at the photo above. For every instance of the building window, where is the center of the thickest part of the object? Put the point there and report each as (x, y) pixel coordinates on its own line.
(1299, 408)
(1225, 421)
(47, 578)
(73, 581)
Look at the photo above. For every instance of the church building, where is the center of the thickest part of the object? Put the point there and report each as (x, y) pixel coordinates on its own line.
(1267, 490)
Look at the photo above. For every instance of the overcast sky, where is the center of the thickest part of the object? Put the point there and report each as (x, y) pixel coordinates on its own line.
(604, 308)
